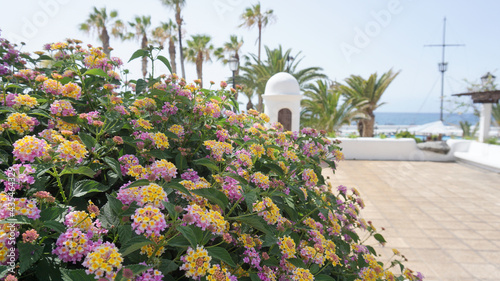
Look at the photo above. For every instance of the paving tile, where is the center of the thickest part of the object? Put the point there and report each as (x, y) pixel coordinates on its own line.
(436, 214)
(466, 256)
(482, 271)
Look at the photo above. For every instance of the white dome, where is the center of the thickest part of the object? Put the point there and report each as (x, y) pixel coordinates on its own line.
(282, 83)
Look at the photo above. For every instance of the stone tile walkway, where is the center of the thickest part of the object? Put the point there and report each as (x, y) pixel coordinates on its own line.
(444, 217)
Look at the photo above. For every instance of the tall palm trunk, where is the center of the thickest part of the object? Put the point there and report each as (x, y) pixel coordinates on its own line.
(178, 19)
(260, 37)
(199, 67)
(171, 51)
(144, 46)
(369, 124)
(104, 36)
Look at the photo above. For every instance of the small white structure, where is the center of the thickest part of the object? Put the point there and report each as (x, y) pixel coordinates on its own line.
(282, 100)
(485, 121)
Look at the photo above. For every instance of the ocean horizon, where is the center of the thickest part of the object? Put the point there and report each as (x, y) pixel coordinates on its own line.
(409, 118)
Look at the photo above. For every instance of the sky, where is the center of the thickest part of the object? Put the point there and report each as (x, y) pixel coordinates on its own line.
(344, 38)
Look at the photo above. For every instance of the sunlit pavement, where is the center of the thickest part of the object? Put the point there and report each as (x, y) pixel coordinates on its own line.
(443, 217)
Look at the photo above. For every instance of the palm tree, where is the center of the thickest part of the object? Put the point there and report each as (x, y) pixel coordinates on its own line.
(177, 5)
(198, 51)
(277, 61)
(141, 25)
(161, 34)
(358, 89)
(229, 49)
(322, 110)
(254, 17)
(99, 21)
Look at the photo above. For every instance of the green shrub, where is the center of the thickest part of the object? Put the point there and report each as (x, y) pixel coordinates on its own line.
(160, 178)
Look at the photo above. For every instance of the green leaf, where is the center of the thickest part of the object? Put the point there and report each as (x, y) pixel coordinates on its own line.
(107, 216)
(179, 241)
(4, 270)
(55, 225)
(254, 277)
(115, 204)
(96, 72)
(213, 195)
(124, 233)
(113, 126)
(82, 170)
(297, 262)
(142, 182)
(114, 165)
(255, 222)
(134, 244)
(167, 266)
(323, 277)
(189, 234)
(207, 163)
(176, 186)
(28, 255)
(47, 271)
(275, 168)
(171, 209)
(85, 187)
(136, 269)
(17, 220)
(140, 86)
(87, 140)
(380, 238)
(76, 275)
(250, 198)
(138, 54)
(221, 254)
(165, 62)
(180, 162)
(39, 112)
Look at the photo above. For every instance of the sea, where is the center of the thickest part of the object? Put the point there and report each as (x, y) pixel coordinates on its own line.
(406, 118)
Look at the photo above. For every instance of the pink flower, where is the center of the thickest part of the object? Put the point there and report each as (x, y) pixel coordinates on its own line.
(73, 245)
(148, 220)
(29, 148)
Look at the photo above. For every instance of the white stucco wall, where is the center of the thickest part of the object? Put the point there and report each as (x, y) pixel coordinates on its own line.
(282, 91)
(277, 102)
(396, 149)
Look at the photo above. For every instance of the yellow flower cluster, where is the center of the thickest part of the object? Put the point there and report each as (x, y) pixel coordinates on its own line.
(58, 46)
(71, 90)
(216, 273)
(148, 249)
(247, 241)
(145, 124)
(152, 194)
(268, 210)
(189, 185)
(177, 129)
(257, 150)
(65, 126)
(196, 262)
(374, 271)
(291, 156)
(25, 100)
(160, 140)
(287, 247)
(20, 123)
(136, 171)
(70, 150)
(218, 148)
(264, 117)
(103, 261)
(79, 219)
(302, 274)
(145, 103)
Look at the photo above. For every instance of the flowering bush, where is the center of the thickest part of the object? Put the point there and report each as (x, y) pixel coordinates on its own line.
(159, 179)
